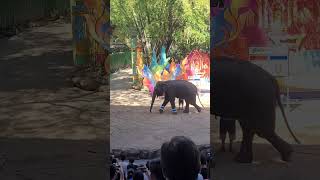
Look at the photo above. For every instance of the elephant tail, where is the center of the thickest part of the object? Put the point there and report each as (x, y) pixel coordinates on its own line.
(283, 113)
(199, 100)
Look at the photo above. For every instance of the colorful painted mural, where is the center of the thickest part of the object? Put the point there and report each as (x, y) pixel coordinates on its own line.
(290, 25)
(91, 32)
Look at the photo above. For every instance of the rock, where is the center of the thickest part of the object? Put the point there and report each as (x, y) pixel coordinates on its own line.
(87, 84)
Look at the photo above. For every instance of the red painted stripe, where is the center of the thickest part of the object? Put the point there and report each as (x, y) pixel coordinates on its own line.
(255, 58)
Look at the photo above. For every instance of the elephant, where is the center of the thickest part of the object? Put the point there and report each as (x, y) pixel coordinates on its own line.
(171, 89)
(244, 91)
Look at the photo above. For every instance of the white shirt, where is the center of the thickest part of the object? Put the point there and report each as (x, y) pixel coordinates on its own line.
(124, 167)
(200, 177)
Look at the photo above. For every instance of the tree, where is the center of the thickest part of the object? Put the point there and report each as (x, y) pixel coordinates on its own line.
(179, 25)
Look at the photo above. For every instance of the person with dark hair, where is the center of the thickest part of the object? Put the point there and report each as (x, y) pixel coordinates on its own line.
(114, 161)
(131, 164)
(155, 170)
(227, 125)
(148, 165)
(204, 166)
(130, 174)
(138, 175)
(180, 159)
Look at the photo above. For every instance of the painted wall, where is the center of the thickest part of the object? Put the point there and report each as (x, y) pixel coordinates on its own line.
(290, 25)
(91, 32)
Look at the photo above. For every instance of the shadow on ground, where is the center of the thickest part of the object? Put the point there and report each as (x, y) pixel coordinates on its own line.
(39, 58)
(40, 159)
(47, 71)
(121, 84)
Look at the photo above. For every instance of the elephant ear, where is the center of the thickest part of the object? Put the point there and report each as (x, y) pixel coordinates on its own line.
(164, 86)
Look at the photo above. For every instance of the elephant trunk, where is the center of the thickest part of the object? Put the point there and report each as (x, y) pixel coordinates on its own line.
(153, 98)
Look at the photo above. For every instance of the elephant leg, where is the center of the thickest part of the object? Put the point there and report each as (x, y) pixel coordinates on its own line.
(223, 139)
(180, 104)
(282, 146)
(165, 102)
(186, 110)
(193, 102)
(245, 154)
(230, 146)
(231, 138)
(173, 106)
(197, 107)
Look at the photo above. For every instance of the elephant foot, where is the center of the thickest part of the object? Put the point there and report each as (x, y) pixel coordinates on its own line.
(161, 111)
(174, 111)
(243, 158)
(185, 111)
(287, 155)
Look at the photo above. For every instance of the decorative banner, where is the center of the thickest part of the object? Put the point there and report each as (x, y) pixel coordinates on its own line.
(194, 68)
(153, 60)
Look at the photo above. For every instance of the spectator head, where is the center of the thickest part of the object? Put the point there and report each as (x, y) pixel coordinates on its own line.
(122, 156)
(138, 175)
(180, 159)
(114, 161)
(131, 160)
(156, 170)
(130, 173)
(148, 165)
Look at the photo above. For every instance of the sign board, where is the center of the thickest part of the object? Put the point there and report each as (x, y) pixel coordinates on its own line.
(273, 60)
(203, 84)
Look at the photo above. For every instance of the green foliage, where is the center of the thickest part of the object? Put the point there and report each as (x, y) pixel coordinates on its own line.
(179, 25)
(120, 60)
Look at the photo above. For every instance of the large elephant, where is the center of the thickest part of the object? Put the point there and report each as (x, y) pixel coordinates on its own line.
(244, 91)
(176, 89)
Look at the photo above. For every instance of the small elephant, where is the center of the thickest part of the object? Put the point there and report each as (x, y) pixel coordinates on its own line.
(184, 90)
(248, 93)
